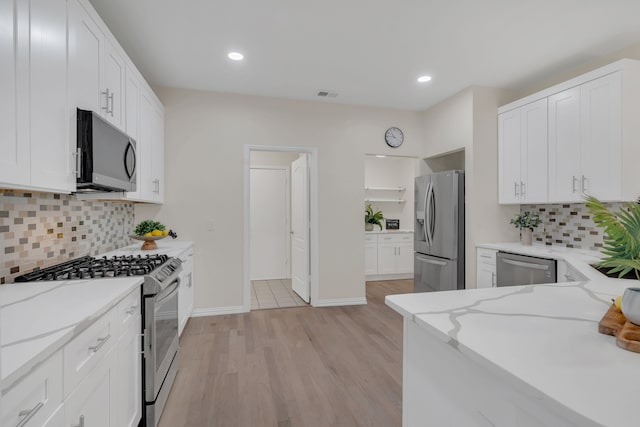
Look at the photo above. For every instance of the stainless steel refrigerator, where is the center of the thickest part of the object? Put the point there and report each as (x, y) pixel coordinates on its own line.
(439, 232)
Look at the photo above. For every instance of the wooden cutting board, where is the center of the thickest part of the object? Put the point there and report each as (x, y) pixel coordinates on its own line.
(627, 334)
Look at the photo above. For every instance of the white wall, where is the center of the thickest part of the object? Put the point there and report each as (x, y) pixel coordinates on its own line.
(205, 133)
(392, 172)
(272, 158)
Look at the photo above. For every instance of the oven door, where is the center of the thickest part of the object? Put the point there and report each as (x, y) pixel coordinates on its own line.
(161, 322)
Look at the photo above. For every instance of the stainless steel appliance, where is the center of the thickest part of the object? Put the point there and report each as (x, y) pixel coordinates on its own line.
(105, 158)
(514, 270)
(159, 327)
(439, 232)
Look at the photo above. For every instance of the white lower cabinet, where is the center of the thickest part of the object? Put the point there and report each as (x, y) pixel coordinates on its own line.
(486, 268)
(388, 254)
(57, 419)
(185, 291)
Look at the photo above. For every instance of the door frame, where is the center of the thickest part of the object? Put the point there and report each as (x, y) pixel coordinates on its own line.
(287, 171)
(313, 218)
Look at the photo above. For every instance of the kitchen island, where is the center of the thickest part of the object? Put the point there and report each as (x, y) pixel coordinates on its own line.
(517, 356)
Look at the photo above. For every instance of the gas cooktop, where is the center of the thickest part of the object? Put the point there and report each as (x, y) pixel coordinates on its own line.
(92, 268)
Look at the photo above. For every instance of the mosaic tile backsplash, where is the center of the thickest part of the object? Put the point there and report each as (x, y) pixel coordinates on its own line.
(38, 230)
(568, 225)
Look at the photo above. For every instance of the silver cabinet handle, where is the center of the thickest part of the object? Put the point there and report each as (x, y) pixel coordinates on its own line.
(584, 183)
(398, 250)
(106, 98)
(28, 414)
(526, 264)
(522, 189)
(132, 310)
(101, 342)
(574, 183)
(78, 163)
(486, 256)
(515, 189)
(81, 423)
(493, 279)
(110, 98)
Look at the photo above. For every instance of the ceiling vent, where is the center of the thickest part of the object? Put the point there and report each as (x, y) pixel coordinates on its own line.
(327, 94)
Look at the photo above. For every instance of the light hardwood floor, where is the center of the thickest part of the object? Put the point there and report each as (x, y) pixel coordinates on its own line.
(312, 367)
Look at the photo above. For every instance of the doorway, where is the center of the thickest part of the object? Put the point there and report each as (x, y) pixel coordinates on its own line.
(280, 227)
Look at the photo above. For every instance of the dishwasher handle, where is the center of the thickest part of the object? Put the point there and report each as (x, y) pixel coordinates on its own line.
(526, 264)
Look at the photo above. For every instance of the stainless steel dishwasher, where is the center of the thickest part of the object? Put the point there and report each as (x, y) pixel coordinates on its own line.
(513, 270)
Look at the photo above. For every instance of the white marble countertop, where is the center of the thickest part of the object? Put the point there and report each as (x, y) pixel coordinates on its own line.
(167, 246)
(383, 231)
(542, 338)
(39, 318)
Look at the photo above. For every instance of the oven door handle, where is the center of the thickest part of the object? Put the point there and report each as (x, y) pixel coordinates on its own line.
(526, 264)
(168, 292)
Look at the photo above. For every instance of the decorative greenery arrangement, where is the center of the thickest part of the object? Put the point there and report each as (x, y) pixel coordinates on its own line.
(622, 236)
(147, 226)
(373, 218)
(526, 220)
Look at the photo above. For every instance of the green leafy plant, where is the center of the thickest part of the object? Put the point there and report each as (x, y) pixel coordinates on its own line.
(526, 220)
(371, 217)
(147, 226)
(622, 236)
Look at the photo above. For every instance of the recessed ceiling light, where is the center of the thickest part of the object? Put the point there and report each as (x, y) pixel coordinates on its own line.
(236, 56)
(424, 79)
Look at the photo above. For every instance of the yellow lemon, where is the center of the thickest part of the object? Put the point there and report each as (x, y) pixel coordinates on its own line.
(618, 302)
(165, 232)
(148, 234)
(156, 233)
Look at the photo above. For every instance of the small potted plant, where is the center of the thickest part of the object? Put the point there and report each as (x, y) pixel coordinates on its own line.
(371, 218)
(526, 222)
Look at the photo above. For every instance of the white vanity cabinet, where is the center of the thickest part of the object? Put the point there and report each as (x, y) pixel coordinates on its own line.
(486, 268)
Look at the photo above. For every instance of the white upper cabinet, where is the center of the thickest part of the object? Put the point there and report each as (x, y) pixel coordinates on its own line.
(587, 143)
(14, 161)
(52, 161)
(151, 149)
(522, 142)
(114, 85)
(132, 121)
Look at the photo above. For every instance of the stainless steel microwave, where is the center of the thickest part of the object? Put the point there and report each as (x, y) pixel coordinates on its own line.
(106, 156)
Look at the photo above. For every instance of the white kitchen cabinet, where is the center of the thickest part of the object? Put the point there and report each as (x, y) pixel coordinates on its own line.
(394, 254)
(128, 380)
(91, 403)
(486, 268)
(14, 161)
(185, 291)
(132, 121)
(522, 142)
(371, 254)
(57, 419)
(114, 85)
(151, 149)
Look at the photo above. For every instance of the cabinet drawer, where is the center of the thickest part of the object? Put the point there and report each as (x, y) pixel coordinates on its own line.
(85, 351)
(128, 311)
(395, 238)
(34, 399)
(371, 238)
(487, 256)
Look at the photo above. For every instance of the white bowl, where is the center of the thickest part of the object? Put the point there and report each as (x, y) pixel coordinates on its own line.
(631, 305)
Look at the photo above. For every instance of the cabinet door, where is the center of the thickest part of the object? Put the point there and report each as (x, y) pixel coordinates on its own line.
(158, 153)
(404, 258)
(509, 156)
(128, 393)
(91, 403)
(601, 137)
(114, 85)
(51, 146)
(534, 171)
(57, 419)
(14, 161)
(132, 122)
(486, 276)
(387, 262)
(147, 185)
(370, 258)
(564, 146)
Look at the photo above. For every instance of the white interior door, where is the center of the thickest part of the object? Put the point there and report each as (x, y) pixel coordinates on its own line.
(269, 228)
(300, 227)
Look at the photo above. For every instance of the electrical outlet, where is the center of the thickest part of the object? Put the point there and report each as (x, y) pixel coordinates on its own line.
(210, 224)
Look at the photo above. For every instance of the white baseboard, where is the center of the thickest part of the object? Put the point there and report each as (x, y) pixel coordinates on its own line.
(217, 311)
(339, 301)
(379, 277)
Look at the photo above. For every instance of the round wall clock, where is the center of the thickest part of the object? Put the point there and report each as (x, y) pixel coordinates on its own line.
(394, 137)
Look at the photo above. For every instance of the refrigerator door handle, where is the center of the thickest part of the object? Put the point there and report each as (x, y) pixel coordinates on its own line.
(427, 219)
(430, 261)
(432, 214)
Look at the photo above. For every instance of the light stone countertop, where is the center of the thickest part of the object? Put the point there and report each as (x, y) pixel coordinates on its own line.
(383, 231)
(167, 246)
(542, 338)
(39, 318)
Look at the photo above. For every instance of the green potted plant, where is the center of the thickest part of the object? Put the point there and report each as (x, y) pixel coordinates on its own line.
(372, 218)
(621, 247)
(526, 222)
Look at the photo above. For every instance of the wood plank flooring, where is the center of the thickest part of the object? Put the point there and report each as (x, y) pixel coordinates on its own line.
(305, 366)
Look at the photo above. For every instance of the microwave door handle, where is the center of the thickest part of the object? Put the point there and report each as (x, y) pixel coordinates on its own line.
(131, 147)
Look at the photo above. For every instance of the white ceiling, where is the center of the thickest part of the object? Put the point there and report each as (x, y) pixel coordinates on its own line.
(369, 51)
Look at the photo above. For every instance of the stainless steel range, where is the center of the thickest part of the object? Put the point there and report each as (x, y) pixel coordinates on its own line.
(159, 327)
